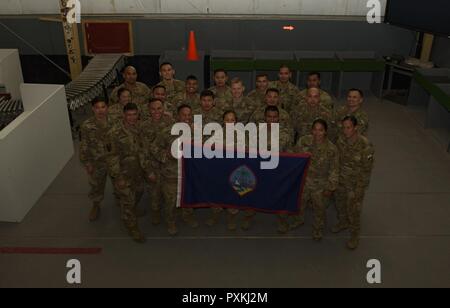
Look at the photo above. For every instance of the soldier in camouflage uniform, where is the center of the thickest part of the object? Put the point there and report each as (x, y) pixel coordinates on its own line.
(208, 110)
(161, 150)
(313, 81)
(140, 93)
(221, 90)
(243, 106)
(289, 93)
(356, 156)
(355, 98)
(159, 92)
(115, 112)
(259, 94)
(304, 115)
(156, 122)
(272, 115)
(173, 86)
(129, 167)
(94, 154)
(228, 117)
(323, 175)
(191, 96)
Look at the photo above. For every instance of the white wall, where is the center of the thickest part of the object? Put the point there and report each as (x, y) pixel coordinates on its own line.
(11, 71)
(34, 148)
(239, 7)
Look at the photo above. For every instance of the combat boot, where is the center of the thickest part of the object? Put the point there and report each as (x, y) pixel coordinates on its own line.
(340, 226)
(317, 235)
(156, 217)
(137, 235)
(189, 218)
(231, 222)
(213, 219)
(353, 243)
(94, 214)
(172, 229)
(298, 222)
(283, 226)
(246, 223)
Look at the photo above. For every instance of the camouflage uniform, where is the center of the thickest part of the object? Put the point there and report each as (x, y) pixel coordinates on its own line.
(356, 162)
(323, 175)
(258, 97)
(214, 115)
(140, 94)
(222, 97)
(289, 94)
(150, 130)
(94, 152)
(129, 163)
(115, 112)
(285, 119)
(183, 98)
(360, 115)
(325, 98)
(173, 89)
(161, 150)
(304, 116)
(244, 108)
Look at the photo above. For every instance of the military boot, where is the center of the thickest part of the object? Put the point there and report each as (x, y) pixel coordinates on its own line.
(137, 235)
(213, 219)
(172, 229)
(94, 214)
(297, 223)
(190, 219)
(353, 243)
(283, 226)
(317, 235)
(246, 223)
(156, 217)
(231, 222)
(340, 226)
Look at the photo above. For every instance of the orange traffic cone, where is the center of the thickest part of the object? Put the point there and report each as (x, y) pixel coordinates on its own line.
(192, 54)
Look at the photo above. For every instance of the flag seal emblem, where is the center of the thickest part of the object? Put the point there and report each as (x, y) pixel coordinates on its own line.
(243, 180)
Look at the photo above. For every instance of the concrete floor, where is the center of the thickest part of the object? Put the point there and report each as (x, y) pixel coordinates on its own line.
(406, 225)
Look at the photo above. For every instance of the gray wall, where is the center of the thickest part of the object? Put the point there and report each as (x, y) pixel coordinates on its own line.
(441, 52)
(152, 37)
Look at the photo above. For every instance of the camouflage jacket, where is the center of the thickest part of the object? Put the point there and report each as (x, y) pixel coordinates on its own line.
(258, 97)
(222, 96)
(140, 94)
(289, 93)
(323, 172)
(214, 115)
(93, 144)
(259, 117)
(182, 98)
(342, 112)
(128, 153)
(304, 116)
(356, 162)
(115, 112)
(244, 108)
(173, 89)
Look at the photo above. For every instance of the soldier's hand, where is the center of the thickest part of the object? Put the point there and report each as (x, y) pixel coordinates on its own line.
(89, 169)
(327, 193)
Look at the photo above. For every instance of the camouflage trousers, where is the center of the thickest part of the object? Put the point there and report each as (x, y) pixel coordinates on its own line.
(349, 205)
(318, 201)
(97, 182)
(217, 210)
(155, 194)
(129, 197)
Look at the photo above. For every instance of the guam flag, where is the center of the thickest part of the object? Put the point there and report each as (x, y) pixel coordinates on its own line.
(241, 183)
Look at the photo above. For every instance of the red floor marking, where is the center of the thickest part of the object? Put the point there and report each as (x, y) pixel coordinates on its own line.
(50, 251)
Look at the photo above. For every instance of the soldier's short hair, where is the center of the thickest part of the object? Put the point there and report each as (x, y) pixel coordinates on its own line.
(227, 112)
(159, 86)
(356, 90)
(220, 70)
(350, 118)
(314, 74)
(262, 75)
(181, 107)
(275, 90)
(165, 63)
(130, 107)
(97, 100)
(152, 100)
(285, 66)
(121, 90)
(237, 80)
(206, 93)
(191, 77)
(321, 122)
(271, 108)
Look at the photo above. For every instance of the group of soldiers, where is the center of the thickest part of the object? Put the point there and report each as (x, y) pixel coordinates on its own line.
(129, 139)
